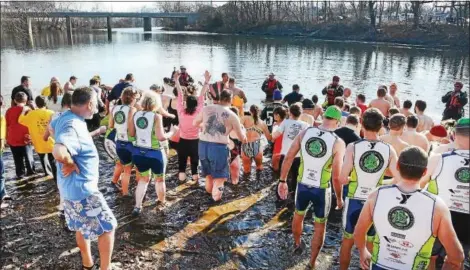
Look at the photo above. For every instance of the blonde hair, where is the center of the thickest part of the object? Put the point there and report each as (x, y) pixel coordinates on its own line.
(151, 102)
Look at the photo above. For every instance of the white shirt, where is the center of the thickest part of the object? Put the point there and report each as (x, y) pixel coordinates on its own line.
(290, 129)
(57, 107)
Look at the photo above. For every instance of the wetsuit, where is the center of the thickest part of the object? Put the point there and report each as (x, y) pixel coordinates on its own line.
(451, 182)
(403, 221)
(148, 156)
(371, 159)
(313, 182)
(124, 146)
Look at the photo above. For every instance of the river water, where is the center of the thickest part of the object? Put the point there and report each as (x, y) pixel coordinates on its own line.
(420, 73)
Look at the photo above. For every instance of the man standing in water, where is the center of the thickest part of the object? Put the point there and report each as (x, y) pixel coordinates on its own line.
(380, 102)
(269, 85)
(364, 165)
(216, 88)
(448, 176)
(393, 94)
(455, 101)
(333, 90)
(86, 210)
(217, 122)
(239, 99)
(425, 122)
(407, 221)
(321, 160)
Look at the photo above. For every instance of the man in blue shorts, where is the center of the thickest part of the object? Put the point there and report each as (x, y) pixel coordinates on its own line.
(86, 210)
(321, 152)
(217, 122)
(365, 163)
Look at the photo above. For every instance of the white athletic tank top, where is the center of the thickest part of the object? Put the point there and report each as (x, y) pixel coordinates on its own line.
(316, 157)
(371, 159)
(451, 180)
(120, 116)
(144, 130)
(403, 222)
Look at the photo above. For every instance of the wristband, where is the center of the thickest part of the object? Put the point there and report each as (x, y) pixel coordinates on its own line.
(282, 181)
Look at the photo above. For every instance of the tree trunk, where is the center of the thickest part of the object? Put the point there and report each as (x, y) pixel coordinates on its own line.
(372, 13)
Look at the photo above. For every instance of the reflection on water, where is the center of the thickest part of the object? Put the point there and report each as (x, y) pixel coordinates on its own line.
(420, 73)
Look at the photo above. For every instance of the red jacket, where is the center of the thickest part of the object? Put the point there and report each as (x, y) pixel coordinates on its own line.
(16, 133)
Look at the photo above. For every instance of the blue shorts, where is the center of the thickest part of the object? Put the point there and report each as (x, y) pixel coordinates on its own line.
(90, 216)
(352, 210)
(319, 197)
(149, 160)
(124, 152)
(214, 159)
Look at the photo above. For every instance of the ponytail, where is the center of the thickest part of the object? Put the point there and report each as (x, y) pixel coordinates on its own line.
(254, 110)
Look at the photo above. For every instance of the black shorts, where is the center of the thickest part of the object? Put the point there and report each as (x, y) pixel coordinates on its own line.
(460, 222)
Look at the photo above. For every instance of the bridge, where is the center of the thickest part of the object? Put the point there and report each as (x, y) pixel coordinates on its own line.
(189, 18)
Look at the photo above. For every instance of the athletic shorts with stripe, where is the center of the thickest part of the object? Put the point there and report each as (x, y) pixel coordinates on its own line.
(149, 161)
(352, 210)
(124, 152)
(320, 198)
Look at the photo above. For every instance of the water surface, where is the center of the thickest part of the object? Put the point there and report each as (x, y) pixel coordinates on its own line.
(421, 73)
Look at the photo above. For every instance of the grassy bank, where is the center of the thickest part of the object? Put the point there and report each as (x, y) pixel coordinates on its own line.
(426, 35)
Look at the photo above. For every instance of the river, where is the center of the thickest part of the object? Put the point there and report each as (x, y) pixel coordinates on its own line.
(420, 73)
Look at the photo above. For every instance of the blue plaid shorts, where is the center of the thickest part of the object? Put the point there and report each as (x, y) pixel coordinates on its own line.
(91, 216)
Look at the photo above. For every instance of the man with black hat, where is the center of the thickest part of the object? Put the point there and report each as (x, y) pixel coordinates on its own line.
(455, 101)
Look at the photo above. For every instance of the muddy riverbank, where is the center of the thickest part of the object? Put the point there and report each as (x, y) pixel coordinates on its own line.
(249, 229)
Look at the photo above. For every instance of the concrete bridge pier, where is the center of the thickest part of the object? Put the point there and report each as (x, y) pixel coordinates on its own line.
(29, 31)
(110, 33)
(68, 24)
(147, 24)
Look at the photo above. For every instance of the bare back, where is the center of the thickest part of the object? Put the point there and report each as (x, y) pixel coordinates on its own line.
(417, 139)
(217, 122)
(253, 131)
(381, 104)
(396, 142)
(425, 122)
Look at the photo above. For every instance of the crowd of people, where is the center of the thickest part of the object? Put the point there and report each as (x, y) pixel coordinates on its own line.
(401, 209)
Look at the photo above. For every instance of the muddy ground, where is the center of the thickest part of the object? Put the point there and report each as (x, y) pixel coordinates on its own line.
(249, 229)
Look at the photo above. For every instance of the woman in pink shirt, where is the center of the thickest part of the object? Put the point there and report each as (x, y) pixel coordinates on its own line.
(189, 135)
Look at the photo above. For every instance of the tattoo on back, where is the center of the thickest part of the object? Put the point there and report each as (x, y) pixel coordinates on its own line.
(214, 126)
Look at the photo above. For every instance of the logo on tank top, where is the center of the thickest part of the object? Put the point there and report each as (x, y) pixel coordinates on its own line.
(463, 175)
(371, 161)
(142, 122)
(120, 117)
(316, 147)
(401, 218)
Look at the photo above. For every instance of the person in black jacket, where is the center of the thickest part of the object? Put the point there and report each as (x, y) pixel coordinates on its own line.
(23, 87)
(455, 101)
(269, 85)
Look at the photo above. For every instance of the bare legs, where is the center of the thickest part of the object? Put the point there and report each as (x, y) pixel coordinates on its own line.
(247, 162)
(317, 241)
(275, 162)
(215, 187)
(235, 170)
(160, 188)
(117, 172)
(105, 247)
(126, 175)
(297, 228)
(345, 253)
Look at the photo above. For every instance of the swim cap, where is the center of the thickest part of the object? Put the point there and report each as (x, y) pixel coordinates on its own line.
(439, 131)
(333, 112)
(277, 95)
